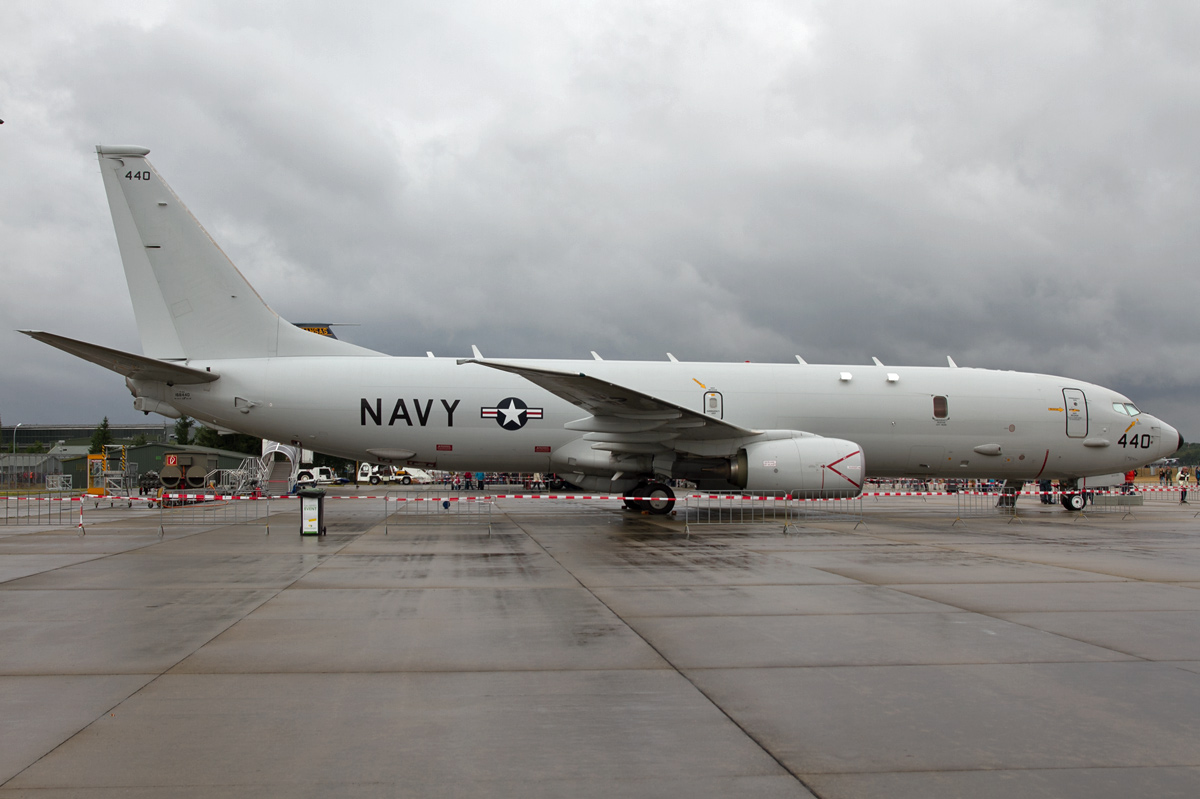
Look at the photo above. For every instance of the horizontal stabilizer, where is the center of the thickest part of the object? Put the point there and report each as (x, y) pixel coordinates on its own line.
(137, 367)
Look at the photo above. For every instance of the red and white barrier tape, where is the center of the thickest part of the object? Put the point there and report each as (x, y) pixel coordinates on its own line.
(606, 497)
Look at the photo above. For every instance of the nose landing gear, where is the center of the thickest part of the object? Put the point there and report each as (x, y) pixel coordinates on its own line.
(1071, 499)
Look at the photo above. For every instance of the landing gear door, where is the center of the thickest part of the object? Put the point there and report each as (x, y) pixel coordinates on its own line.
(1077, 417)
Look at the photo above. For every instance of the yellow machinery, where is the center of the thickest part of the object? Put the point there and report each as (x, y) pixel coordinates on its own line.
(97, 466)
(103, 481)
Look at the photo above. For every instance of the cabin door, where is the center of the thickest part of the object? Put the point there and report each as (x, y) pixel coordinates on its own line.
(1077, 417)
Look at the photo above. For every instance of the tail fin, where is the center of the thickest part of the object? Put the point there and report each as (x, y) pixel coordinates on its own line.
(189, 299)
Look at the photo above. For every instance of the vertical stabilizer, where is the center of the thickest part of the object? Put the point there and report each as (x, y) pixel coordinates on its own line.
(189, 299)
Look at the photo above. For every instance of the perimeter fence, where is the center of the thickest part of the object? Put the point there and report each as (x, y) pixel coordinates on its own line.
(216, 510)
(692, 508)
(786, 510)
(434, 506)
(47, 508)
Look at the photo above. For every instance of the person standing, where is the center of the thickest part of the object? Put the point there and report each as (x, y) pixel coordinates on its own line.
(1183, 484)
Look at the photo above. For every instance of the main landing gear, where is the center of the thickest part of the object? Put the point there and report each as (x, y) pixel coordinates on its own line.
(653, 497)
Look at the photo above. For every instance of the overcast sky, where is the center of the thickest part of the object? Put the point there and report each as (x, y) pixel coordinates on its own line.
(1010, 183)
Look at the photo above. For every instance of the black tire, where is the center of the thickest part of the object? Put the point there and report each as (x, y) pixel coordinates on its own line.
(633, 499)
(304, 477)
(374, 479)
(1073, 501)
(406, 480)
(659, 499)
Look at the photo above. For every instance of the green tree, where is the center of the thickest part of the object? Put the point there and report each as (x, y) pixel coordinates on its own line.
(207, 437)
(37, 448)
(240, 442)
(100, 436)
(183, 431)
(140, 440)
(1188, 454)
(340, 466)
(234, 442)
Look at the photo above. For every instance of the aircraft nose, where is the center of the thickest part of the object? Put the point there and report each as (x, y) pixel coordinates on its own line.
(1171, 438)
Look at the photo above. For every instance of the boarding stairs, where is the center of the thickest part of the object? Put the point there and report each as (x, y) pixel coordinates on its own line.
(252, 474)
(280, 478)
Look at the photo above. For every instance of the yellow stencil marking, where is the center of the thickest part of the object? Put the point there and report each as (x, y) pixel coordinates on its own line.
(697, 382)
(1059, 410)
(1131, 424)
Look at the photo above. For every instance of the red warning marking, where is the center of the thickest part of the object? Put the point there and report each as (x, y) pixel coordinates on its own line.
(1044, 462)
(839, 474)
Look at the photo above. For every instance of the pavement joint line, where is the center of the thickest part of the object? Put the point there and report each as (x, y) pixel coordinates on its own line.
(953, 770)
(749, 735)
(152, 677)
(156, 677)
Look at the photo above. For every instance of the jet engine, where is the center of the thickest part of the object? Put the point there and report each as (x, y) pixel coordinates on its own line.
(809, 465)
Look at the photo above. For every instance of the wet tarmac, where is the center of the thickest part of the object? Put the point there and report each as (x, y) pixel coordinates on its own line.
(580, 650)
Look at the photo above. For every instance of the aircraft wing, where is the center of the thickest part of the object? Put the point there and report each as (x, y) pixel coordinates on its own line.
(623, 419)
(138, 367)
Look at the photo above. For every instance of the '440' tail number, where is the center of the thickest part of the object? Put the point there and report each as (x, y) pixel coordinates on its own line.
(137, 175)
(1135, 441)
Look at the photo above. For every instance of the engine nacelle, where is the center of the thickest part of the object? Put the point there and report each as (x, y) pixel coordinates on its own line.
(809, 466)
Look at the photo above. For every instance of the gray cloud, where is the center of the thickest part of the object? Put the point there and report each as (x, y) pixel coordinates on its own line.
(1014, 184)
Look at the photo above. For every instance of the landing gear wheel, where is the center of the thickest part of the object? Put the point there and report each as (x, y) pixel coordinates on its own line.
(659, 499)
(1073, 501)
(631, 498)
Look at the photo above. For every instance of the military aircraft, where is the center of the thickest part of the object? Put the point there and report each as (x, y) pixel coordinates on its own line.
(214, 350)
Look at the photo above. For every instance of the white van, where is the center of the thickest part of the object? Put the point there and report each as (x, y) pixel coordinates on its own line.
(319, 475)
(410, 474)
(370, 473)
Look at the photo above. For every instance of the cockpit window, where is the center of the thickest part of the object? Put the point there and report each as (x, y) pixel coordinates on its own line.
(1120, 408)
(1131, 409)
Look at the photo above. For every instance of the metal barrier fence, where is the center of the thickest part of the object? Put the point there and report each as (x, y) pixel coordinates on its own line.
(433, 506)
(49, 508)
(986, 504)
(788, 510)
(213, 510)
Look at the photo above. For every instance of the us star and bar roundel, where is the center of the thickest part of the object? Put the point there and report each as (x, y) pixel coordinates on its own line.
(511, 413)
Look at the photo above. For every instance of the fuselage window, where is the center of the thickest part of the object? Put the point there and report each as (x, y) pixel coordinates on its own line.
(941, 409)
